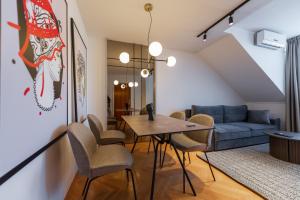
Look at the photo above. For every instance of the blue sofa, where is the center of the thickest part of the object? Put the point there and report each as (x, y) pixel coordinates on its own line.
(236, 126)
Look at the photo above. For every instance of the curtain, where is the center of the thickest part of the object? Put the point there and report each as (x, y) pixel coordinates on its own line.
(292, 84)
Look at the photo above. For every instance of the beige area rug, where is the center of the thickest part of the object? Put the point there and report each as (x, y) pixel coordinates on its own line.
(256, 169)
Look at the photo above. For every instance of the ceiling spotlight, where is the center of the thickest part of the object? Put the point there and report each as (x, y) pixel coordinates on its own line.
(230, 20)
(155, 49)
(130, 84)
(123, 86)
(136, 84)
(145, 73)
(204, 37)
(171, 61)
(116, 82)
(124, 57)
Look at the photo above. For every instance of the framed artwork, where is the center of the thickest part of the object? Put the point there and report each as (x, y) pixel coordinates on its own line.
(33, 84)
(79, 67)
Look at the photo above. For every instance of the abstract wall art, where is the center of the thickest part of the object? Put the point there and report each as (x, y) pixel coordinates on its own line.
(33, 85)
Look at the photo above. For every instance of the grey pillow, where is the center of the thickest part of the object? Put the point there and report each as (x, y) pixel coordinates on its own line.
(259, 116)
(235, 113)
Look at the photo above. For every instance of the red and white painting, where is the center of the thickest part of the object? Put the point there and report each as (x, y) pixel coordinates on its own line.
(33, 91)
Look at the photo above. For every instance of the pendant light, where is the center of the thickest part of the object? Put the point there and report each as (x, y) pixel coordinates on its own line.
(154, 49)
(123, 86)
(131, 84)
(145, 73)
(116, 82)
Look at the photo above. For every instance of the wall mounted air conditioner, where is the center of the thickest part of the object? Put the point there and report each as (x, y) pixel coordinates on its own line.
(270, 40)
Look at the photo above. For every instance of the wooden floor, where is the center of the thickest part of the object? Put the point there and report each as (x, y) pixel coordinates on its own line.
(168, 181)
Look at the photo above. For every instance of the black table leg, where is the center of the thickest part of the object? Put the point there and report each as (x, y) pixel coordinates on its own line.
(135, 141)
(154, 170)
(183, 168)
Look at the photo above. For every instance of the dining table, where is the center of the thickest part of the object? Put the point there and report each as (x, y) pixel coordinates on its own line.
(161, 130)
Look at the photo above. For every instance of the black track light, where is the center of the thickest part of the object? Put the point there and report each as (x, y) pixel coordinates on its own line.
(204, 37)
(230, 20)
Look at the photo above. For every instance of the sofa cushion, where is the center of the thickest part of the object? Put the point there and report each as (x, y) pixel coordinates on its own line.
(256, 129)
(259, 116)
(215, 111)
(230, 132)
(235, 113)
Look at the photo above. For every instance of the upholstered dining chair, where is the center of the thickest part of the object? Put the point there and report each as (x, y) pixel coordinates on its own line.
(104, 137)
(94, 161)
(195, 141)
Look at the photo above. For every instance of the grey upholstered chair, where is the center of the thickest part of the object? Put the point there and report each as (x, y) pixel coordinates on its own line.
(93, 160)
(196, 140)
(104, 137)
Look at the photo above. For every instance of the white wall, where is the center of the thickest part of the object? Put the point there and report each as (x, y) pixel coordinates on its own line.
(190, 82)
(270, 61)
(50, 174)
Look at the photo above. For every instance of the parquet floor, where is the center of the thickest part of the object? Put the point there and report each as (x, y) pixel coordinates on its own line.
(168, 181)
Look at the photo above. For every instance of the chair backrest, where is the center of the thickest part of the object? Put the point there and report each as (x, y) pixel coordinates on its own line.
(83, 146)
(96, 127)
(202, 136)
(178, 115)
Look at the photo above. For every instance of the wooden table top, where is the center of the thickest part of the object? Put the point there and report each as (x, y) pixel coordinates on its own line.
(161, 125)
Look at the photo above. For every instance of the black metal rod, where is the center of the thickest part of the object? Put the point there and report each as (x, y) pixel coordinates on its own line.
(154, 171)
(221, 19)
(136, 139)
(183, 168)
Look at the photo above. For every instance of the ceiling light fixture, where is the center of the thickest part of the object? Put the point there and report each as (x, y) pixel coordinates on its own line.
(136, 84)
(154, 49)
(221, 19)
(123, 86)
(230, 20)
(204, 37)
(130, 84)
(116, 82)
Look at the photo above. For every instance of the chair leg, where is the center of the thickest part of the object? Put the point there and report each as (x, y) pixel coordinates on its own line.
(133, 184)
(87, 188)
(127, 175)
(183, 175)
(212, 173)
(149, 144)
(87, 179)
(189, 157)
(163, 160)
(136, 139)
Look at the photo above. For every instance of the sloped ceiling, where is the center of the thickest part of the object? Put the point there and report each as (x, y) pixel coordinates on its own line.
(176, 23)
(232, 62)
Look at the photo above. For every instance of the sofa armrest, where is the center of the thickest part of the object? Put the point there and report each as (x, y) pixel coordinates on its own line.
(276, 122)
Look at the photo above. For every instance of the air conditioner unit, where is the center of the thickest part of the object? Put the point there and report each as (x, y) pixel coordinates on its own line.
(270, 40)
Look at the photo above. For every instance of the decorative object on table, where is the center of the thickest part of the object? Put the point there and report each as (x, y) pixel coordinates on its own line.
(154, 50)
(150, 111)
(79, 67)
(34, 90)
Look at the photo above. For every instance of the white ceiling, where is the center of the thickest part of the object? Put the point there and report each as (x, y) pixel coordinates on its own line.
(281, 16)
(175, 22)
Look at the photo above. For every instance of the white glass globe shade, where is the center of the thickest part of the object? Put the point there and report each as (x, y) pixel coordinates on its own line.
(123, 86)
(124, 57)
(116, 82)
(145, 73)
(171, 61)
(155, 49)
(130, 84)
(136, 84)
